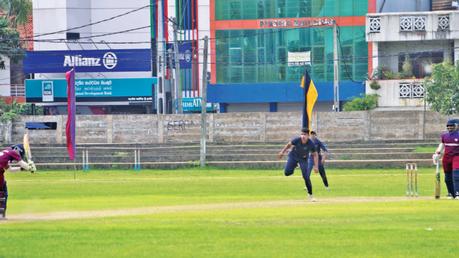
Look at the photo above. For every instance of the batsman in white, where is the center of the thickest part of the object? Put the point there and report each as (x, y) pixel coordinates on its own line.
(14, 153)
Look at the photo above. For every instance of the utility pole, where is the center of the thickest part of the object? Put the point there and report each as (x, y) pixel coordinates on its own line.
(161, 61)
(335, 69)
(170, 55)
(178, 86)
(204, 104)
(153, 51)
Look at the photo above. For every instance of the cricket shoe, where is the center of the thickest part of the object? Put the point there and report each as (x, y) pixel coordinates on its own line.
(311, 198)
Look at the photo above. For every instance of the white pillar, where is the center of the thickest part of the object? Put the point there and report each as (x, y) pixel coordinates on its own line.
(375, 54)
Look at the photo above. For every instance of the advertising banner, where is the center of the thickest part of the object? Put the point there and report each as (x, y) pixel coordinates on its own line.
(299, 58)
(110, 60)
(194, 105)
(131, 90)
(185, 54)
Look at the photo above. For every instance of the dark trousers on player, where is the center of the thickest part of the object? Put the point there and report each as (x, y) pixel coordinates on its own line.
(3, 194)
(292, 162)
(450, 183)
(451, 168)
(321, 169)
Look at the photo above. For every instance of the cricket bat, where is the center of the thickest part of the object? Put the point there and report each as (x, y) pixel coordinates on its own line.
(25, 142)
(437, 180)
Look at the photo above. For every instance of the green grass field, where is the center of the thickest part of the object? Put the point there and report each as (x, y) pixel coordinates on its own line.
(225, 213)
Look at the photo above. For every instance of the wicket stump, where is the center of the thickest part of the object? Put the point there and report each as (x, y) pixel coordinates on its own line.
(411, 179)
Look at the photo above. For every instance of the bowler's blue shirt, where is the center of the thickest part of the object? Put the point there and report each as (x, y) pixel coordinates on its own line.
(301, 150)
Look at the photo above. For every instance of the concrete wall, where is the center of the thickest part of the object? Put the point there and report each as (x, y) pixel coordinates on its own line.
(389, 94)
(238, 127)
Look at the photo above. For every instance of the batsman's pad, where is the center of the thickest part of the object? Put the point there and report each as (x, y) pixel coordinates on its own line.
(2, 204)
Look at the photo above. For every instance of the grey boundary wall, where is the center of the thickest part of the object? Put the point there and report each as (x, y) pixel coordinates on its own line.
(255, 127)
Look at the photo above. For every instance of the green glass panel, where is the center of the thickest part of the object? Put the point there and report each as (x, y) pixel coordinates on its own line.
(316, 7)
(250, 56)
(346, 71)
(235, 55)
(282, 72)
(293, 40)
(318, 36)
(262, 55)
(261, 38)
(250, 73)
(271, 73)
(304, 8)
(361, 71)
(260, 9)
(282, 55)
(318, 73)
(261, 73)
(249, 9)
(221, 9)
(281, 9)
(332, 8)
(236, 74)
(318, 55)
(270, 9)
(222, 73)
(235, 10)
(264, 9)
(294, 73)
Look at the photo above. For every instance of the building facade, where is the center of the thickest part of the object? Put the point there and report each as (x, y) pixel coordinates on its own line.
(100, 40)
(405, 41)
(258, 49)
(261, 48)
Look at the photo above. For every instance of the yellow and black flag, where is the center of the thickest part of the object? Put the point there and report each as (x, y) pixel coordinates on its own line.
(309, 98)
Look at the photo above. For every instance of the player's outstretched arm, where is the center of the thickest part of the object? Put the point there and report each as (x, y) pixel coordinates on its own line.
(29, 166)
(282, 152)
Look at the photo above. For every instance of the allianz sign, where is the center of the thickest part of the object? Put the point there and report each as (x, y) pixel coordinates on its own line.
(109, 61)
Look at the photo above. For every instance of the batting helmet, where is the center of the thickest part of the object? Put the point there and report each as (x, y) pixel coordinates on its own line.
(19, 148)
(452, 122)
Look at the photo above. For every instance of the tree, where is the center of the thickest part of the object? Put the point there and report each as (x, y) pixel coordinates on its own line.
(9, 112)
(442, 88)
(17, 11)
(9, 43)
(12, 110)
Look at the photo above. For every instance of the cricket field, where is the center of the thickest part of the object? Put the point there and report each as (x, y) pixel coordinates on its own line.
(226, 213)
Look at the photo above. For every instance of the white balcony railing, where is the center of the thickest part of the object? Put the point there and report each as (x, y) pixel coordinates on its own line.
(17, 90)
(412, 26)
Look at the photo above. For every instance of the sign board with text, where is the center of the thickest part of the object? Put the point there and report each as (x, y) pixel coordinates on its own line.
(194, 105)
(110, 60)
(130, 90)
